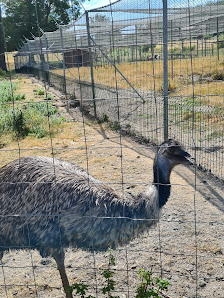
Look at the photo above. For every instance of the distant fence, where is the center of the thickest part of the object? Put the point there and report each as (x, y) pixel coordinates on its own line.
(150, 75)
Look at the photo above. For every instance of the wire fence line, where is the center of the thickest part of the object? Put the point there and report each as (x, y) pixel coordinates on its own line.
(115, 67)
(129, 37)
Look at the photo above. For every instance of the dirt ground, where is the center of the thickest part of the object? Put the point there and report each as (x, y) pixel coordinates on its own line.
(186, 247)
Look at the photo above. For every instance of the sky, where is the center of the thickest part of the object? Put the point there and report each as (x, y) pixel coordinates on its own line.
(91, 4)
(96, 3)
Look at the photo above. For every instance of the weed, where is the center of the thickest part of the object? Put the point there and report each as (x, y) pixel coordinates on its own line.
(19, 123)
(105, 118)
(108, 275)
(149, 286)
(40, 92)
(115, 126)
(49, 97)
(80, 290)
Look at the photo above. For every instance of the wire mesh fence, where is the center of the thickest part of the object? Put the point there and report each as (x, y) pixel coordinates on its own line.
(113, 61)
(124, 41)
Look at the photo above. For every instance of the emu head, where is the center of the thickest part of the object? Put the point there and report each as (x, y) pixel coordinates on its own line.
(174, 153)
(170, 154)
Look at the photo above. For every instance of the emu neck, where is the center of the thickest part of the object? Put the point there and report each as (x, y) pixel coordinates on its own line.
(162, 170)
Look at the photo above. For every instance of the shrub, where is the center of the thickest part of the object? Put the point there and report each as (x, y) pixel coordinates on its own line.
(221, 44)
(2, 73)
(146, 48)
(19, 123)
(218, 75)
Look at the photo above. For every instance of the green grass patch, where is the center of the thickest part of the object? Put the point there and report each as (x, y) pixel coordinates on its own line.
(6, 91)
(37, 119)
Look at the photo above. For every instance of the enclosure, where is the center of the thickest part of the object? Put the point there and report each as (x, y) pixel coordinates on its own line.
(132, 74)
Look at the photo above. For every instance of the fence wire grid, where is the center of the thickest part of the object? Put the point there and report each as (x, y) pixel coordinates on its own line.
(152, 72)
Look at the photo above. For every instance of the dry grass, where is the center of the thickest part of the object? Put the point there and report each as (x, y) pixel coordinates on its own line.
(9, 57)
(148, 75)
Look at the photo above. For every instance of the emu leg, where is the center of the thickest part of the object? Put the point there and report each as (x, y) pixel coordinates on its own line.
(59, 258)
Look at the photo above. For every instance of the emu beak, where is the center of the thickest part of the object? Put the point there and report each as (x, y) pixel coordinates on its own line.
(189, 160)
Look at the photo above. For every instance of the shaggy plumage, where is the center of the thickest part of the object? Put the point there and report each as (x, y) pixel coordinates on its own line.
(49, 205)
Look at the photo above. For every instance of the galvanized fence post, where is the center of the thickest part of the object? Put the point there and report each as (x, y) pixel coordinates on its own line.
(30, 56)
(165, 70)
(46, 43)
(63, 57)
(91, 63)
(217, 37)
(171, 46)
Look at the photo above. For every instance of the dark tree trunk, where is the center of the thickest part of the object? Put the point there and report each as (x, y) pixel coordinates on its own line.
(2, 44)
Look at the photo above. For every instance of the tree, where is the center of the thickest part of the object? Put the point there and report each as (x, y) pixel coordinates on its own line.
(21, 18)
(2, 44)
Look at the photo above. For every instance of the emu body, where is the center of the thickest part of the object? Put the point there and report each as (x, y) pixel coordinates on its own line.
(48, 205)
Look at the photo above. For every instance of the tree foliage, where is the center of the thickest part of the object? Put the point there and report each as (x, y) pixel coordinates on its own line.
(20, 17)
(2, 45)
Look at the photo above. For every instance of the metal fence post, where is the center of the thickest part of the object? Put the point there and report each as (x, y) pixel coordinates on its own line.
(165, 70)
(46, 44)
(30, 57)
(136, 43)
(197, 47)
(171, 46)
(63, 57)
(91, 63)
(217, 37)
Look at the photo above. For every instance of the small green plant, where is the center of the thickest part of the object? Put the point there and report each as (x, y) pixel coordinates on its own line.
(149, 286)
(115, 126)
(108, 275)
(105, 118)
(19, 123)
(40, 92)
(80, 289)
(49, 97)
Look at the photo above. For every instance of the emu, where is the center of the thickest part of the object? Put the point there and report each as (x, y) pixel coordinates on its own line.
(49, 205)
(151, 58)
